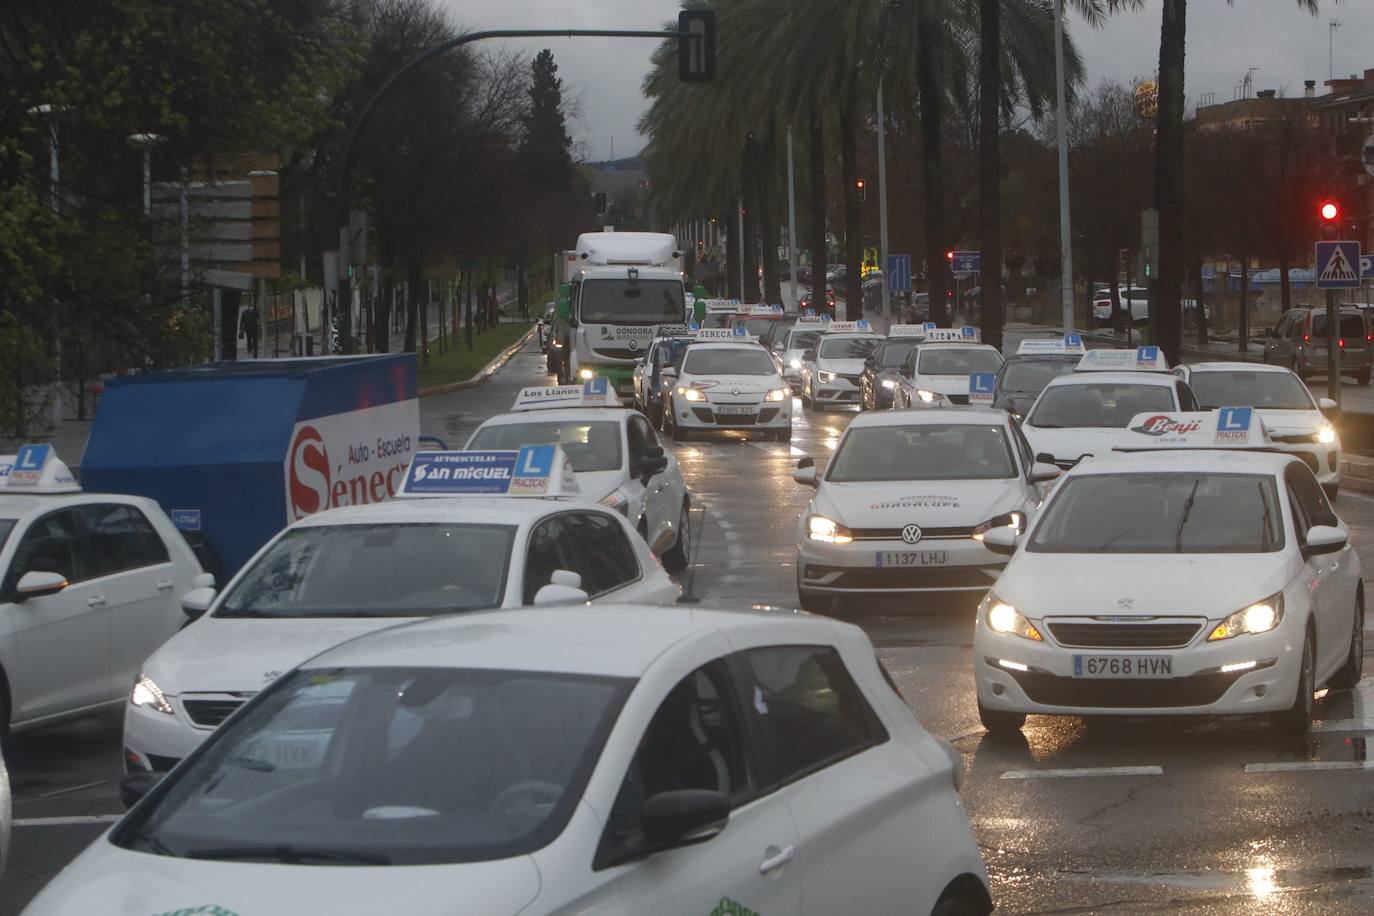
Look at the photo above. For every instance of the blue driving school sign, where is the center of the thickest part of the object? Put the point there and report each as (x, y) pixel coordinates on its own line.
(899, 273)
(1338, 265)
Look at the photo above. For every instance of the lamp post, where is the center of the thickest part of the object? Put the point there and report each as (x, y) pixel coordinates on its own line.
(1065, 239)
(147, 142)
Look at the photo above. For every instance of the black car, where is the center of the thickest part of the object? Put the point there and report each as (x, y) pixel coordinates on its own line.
(881, 370)
(1023, 376)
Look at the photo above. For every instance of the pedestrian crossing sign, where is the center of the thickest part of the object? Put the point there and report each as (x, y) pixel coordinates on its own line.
(1338, 265)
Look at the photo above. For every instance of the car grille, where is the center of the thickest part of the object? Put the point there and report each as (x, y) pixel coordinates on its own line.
(945, 577)
(210, 713)
(1098, 635)
(619, 352)
(1140, 693)
(851, 379)
(1296, 440)
(895, 534)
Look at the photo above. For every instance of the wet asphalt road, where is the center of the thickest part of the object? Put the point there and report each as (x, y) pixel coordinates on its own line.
(1193, 833)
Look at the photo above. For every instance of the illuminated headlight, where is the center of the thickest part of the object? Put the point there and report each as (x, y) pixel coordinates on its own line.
(1016, 521)
(616, 500)
(889, 383)
(146, 693)
(827, 531)
(794, 364)
(690, 394)
(1327, 434)
(586, 374)
(1003, 618)
(1260, 617)
(826, 376)
(778, 394)
(928, 397)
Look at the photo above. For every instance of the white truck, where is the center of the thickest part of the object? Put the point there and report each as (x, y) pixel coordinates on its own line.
(619, 289)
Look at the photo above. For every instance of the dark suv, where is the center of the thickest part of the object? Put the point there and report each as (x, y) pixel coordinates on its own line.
(1299, 342)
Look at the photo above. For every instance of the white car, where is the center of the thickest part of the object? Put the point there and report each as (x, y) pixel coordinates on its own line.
(1296, 422)
(830, 374)
(1197, 580)
(5, 815)
(938, 369)
(792, 350)
(906, 500)
(603, 760)
(1083, 414)
(614, 452)
(725, 380)
(90, 588)
(344, 572)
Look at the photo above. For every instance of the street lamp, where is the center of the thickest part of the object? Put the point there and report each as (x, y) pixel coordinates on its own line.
(147, 143)
(49, 113)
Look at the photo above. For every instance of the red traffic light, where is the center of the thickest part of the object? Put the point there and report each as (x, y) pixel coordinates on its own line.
(859, 183)
(949, 255)
(1329, 211)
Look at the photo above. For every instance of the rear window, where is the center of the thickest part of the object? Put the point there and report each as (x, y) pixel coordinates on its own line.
(1352, 326)
(1099, 405)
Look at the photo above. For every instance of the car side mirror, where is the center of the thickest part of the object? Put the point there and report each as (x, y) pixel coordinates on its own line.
(1325, 539)
(1328, 407)
(667, 372)
(1045, 458)
(207, 580)
(197, 601)
(808, 356)
(652, 466)
(565, 587)
(1001, 540)
(683, 817)
(1044, 472)
(38, 584)
(133, 786)
(805, 473)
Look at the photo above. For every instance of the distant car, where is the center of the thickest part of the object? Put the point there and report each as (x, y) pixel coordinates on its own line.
(1135, 306)
(830, 378)
(1299, 341)
(825, 307)
(936, 372)
(1023, 376)
(545, 327)
(879, 378)
(648, 379)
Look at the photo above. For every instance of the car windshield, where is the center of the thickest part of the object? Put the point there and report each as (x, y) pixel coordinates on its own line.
(928, 451)
(957, 360)
(1238, 388)
(1175, 512)
(728, 361)
(758, 327)
(387, 766)
(591, 445)
(392, 570)
(803, 340)
(1030, 376)
(641, 302)
(717, 319)
(848, 347)
(1104, 404)
(893, 354)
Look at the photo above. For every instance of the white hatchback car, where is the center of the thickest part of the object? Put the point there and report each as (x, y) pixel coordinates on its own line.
(937, 371)
(906, 501)
(1192, 581)
(726, 380)
(830, 372)
(344, 572)
(607, 760)
(90, 588)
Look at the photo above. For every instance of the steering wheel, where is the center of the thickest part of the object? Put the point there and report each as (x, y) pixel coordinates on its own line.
(535, 789)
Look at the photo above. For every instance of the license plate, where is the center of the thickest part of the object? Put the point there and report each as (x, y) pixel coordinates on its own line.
(287, 754)
(1123, 666)
(736, 410)
(886, 558)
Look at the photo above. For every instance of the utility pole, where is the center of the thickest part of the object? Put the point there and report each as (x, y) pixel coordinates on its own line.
(791, 220)
(882, 200)
(1065, 238)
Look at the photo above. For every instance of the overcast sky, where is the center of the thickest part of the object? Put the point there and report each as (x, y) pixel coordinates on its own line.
(1287, 45)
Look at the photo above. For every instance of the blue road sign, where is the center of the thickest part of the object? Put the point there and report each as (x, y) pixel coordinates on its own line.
(899, 273)
(968, 262)
(1338, 265)
(1367, 267)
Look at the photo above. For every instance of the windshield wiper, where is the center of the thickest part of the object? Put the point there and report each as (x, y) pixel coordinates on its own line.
(290, 855)
(151, 842)
(1183, 519)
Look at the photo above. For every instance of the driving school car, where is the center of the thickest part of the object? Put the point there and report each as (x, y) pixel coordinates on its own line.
(473, 530)
(830, 375)
(937, 370)
(1190, 572)
(725, 380)
(804, 335)
(884, 367)
(1037, 362)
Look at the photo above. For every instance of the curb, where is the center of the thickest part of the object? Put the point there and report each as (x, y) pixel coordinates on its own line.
(486, 372)
(1357, 473)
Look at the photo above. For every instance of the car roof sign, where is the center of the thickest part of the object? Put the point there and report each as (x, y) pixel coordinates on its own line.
(1141, 359)
(1223, 428)
(953, 335)
(36, 469)
(532, 470)
(849, 327)
(737, 333)
(917, 331)
(594, 392)
(1068, 345)
(765, 311)
(678, 330)
(812, 320)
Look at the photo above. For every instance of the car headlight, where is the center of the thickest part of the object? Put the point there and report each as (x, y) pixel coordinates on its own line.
(1016, 521)
(1260, 617)
(690, 394)
(586, 374)
(929, 397)
(778, 394)
(888, 383)
(1003, 618)
(1327, 434)
(827, 531)
(794, 364)
(616, 500)
(147, 693)
(826, 376)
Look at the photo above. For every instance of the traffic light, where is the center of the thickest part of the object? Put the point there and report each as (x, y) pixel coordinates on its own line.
(701, 249)
(949, 255)
(860, 188)
(696, 48)
(1329, 220)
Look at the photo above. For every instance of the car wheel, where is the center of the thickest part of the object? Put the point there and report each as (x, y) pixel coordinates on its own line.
(657, 417)
(1000, 722)
(1295, 719)
(678, 433)
(1353, 669)
(677, 558)
(957, 906)
(806, 400)
(783, 435)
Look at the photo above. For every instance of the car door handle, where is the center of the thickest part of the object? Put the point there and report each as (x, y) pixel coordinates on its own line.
(165, 584)
(95, 600)
(777, 859)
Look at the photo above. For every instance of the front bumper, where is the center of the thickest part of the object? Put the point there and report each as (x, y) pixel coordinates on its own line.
(157, 741)
(838, 391)
(1323, 460)
(844, 569)
(1198, 685)
(704, 415)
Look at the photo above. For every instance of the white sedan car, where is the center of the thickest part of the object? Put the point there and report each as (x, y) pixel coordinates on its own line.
(724, 381)
(615, 454)
(90, 588)
(344, 572)
(1203, 582)
(906, 501)
(602, 760)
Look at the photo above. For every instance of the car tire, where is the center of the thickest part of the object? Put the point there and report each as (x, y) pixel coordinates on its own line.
(807, 403)
(678, 434)
(1353, 669)
(1296, 719)
(783, 435)
(657, 417)
(957, 906)
(1000, 722)
(676, 558)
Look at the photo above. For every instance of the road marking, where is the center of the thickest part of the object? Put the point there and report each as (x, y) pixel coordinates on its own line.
(1084, 771)
(66, 789)
(1304, 766)
(71, 821)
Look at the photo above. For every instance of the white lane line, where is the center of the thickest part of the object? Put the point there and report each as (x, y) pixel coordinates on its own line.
(1305, 766)
(1084, 771)
(66, 821)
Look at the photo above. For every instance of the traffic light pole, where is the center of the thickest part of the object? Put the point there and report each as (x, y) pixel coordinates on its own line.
(1333, 351)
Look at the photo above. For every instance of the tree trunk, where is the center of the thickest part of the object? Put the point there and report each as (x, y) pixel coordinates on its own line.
(730, 252)
(381, 321)
(992, 312)
(1243, 332)
(1285, 291)
(749, 196)
(818, 248)
(853, 214)
(764, 153)
(1202, 337)
(424, 323)
(937, 270)
(1169, 180)
(412, 303)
